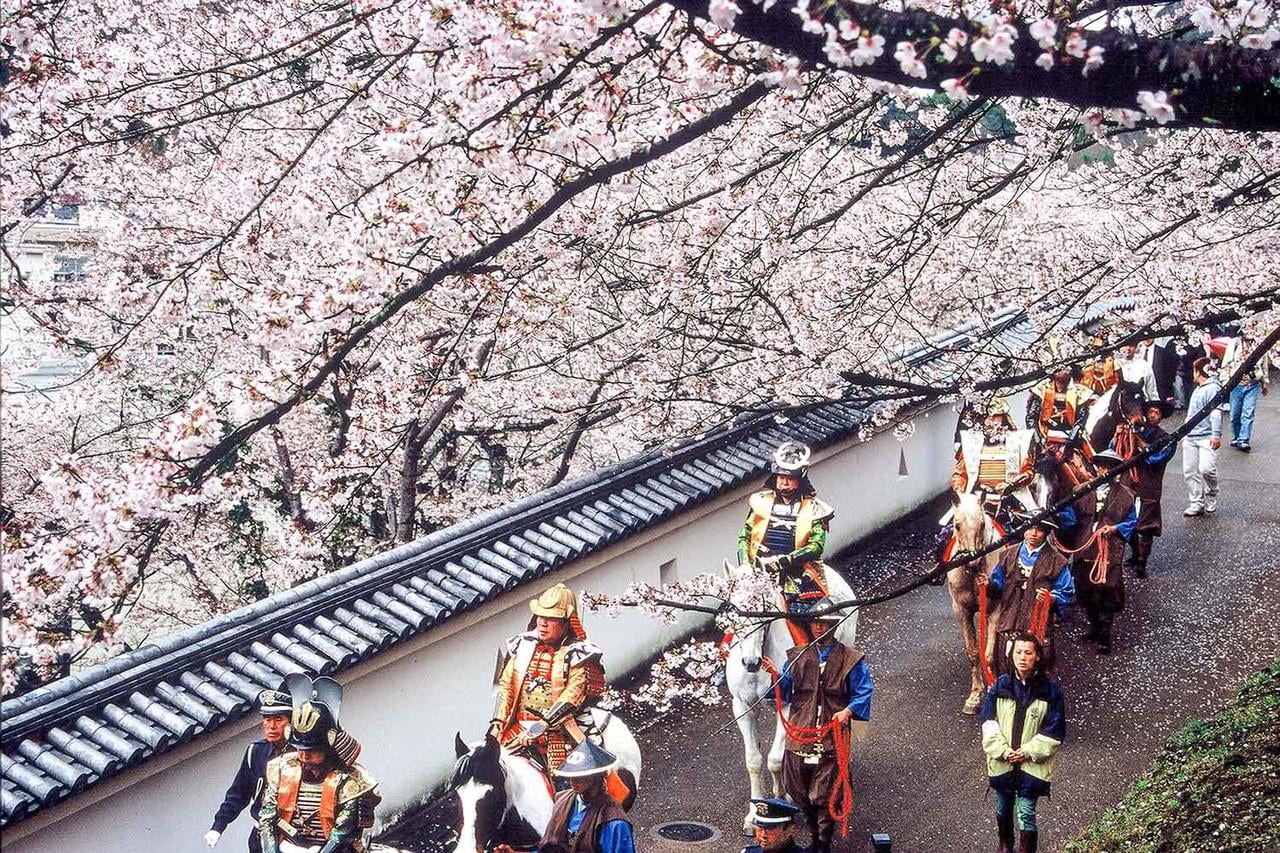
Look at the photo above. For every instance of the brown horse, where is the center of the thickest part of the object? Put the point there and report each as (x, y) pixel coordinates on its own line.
(973, 530)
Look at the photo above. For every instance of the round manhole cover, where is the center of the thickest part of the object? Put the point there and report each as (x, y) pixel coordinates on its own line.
(687, 832)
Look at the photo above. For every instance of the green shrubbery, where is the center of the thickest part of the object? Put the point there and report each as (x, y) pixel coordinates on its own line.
(1215, 785)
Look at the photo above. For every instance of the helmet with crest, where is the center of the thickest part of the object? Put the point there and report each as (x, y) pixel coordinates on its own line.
(791, 459)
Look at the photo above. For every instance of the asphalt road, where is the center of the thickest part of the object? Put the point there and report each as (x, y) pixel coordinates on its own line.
(1204, 619)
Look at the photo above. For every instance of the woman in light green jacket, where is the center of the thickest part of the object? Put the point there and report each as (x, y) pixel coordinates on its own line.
(1023, 724)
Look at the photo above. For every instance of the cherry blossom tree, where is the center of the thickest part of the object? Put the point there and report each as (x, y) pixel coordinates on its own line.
(362, 269)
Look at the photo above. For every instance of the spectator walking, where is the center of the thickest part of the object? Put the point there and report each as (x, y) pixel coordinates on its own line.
(1200, 446)
(1023, 725)
(1244, 397)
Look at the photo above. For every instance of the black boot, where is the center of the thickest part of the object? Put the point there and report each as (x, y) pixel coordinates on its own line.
(1027, 842)
(1104, 635)
(1141, 551)
(1004, 826)
(1091, 635)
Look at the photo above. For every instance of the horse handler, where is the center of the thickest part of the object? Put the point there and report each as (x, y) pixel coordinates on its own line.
(825, 682)
(1023, 724)
(1107, 519)
(1156, 451)
(1034, 585)
(584, 818)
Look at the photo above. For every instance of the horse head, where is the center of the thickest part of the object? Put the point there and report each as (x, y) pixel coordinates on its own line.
(1051, 481)
(480, 785)
(970, 519)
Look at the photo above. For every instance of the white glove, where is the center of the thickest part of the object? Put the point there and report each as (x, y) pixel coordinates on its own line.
(211, 837)
(287, 846)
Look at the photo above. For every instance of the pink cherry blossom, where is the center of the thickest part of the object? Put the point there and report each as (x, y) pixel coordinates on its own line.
(1156, 105)
(905, 55)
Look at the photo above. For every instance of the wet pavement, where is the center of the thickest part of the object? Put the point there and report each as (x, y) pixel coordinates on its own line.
(1204, 619)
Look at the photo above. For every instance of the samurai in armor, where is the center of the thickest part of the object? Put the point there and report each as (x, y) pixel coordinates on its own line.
(1055, 407)
(317, 798)
(548, 680)
(786, 527)
(995, 459)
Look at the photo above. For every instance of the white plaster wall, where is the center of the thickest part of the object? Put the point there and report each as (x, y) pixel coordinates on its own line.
(406, 705)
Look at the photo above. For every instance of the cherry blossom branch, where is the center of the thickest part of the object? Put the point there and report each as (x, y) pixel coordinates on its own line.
(1213, 85)
(463, 264)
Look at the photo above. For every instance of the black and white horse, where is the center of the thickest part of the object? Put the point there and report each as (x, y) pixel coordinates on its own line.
(1108, 414)
(502, 798)
(506, 799)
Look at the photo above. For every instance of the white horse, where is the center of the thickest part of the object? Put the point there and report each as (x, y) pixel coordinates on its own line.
(750, 685)
(973, 530)
(507, 799)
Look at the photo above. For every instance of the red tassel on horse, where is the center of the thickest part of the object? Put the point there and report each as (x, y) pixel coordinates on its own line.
(988, 677)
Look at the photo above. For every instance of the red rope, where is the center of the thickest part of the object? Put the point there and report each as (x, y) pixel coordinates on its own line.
(988, 677)
(1098, 573)
(1040, 617)
(1125, 444)
(840, 803)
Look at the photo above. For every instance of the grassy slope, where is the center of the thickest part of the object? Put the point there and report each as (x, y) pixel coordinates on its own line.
(1214, 786)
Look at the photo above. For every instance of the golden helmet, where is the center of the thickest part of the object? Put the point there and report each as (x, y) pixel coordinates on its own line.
(558, 602)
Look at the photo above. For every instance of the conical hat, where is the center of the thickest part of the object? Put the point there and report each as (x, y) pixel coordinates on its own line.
(587, 760)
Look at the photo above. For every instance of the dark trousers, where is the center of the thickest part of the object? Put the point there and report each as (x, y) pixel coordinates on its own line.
(255, 841)
(809, 786)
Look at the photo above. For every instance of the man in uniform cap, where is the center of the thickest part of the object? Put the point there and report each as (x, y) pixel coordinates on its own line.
(316, 798)
(823, 681)
(1108, 515)
(775, 823)
(549, 679)
(585, 818)
(246, 787)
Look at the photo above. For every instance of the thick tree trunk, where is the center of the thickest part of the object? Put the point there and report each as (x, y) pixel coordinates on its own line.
(1209, 85)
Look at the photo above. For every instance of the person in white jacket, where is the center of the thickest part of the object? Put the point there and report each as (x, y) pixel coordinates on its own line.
(1244, 397)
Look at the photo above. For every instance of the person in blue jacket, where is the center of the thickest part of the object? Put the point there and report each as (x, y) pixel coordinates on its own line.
(1024, 723)
(823, 681)
(1107, 519)
(246, 787)
(1030, 578)
(585, 818)
(1148, 486)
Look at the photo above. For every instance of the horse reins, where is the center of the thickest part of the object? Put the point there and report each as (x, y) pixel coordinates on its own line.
(1101, 560)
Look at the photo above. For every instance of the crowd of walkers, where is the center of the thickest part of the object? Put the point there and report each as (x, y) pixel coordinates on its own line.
(1083, 553)
(306, 792)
